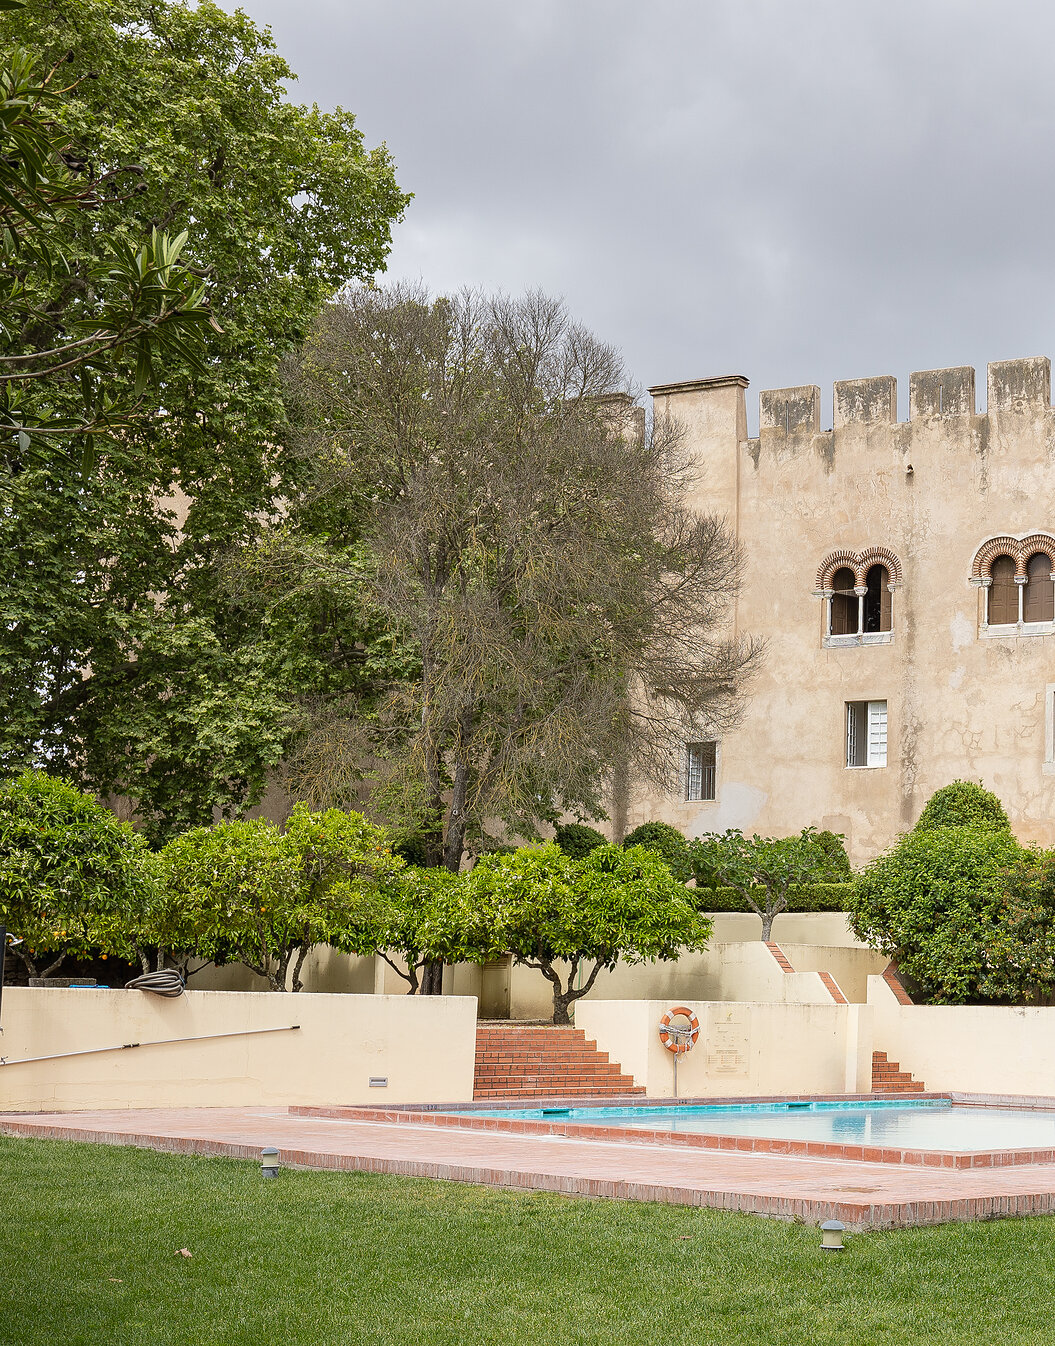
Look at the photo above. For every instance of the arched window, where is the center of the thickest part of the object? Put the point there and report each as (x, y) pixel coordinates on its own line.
(877, 614)
(1038, 598)
(1003, 593)
(843, 610)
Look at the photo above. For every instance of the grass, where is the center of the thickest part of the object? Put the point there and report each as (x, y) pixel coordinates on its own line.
(89, 1240)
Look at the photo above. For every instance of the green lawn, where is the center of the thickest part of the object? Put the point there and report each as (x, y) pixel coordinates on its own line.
(89, 1240)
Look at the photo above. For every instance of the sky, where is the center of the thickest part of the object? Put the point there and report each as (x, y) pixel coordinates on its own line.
(794, 190)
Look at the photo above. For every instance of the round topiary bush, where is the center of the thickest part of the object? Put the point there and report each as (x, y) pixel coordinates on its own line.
(935, 903)
(836, 861)
(577, 840)
(963, 804)
(666, 842)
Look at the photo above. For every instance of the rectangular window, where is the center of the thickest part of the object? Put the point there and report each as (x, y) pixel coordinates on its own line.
(701, 771)
(866, 733)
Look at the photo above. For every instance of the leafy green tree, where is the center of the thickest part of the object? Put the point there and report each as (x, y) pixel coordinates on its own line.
(421, 917)
(763, 870)
(247, 892)
(577, 840)
(558, 915)
(114, 615)
(963, 804)
(74, 881)
(937, 903)
(127, 303)
(666, 842)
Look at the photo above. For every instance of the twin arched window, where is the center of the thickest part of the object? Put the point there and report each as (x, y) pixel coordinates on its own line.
(856, 609)
(1016, 574)
(859, 589)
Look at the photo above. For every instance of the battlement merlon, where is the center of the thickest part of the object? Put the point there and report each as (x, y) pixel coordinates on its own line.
(790, 410)
(1020, 386)
(1016, 385)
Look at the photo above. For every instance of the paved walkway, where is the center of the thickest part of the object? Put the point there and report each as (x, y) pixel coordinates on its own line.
(861, 1195)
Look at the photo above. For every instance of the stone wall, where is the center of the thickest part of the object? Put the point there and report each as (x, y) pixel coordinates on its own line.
(963, 701)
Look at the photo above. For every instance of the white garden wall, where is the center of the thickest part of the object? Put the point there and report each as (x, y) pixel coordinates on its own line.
(424, 1047)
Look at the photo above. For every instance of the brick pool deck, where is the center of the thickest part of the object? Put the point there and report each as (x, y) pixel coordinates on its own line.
(862, 1195)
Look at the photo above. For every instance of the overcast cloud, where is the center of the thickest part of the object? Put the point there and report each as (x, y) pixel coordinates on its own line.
(795, 190)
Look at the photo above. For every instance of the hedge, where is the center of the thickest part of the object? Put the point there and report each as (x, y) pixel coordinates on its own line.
(804, 897)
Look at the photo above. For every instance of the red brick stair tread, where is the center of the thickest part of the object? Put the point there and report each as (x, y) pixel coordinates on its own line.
(535, 1061)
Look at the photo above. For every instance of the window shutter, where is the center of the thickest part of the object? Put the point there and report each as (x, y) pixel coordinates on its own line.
(877, 733)
(1038, 601)
(1002, 608)
(701, 771)
(844, 603)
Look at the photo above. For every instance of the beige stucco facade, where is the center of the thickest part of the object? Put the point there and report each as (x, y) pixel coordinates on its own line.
(963, 700)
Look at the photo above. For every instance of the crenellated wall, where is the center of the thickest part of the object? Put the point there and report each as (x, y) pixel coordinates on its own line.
(963, 700)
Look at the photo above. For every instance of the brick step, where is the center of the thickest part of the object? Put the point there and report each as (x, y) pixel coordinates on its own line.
(633, 1091)
(889, 1078)
(538, 1062)
(512, 1055)
(568, 1063)
(521, 1076)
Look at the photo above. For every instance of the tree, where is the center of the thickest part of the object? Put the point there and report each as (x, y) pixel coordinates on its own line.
(577, 840)
(129, 302)
(558, 915)
(247, 892)
(527, 539)
(963, 804)
(421, 918)
(115, 619)
(74, 881)
(666, 842)
(950, 906)
(763, 870)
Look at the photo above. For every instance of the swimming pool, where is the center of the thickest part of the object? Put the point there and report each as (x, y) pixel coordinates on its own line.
(924, 1124)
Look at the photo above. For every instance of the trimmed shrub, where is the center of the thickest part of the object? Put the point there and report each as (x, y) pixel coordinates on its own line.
(803, 897)
(935, 903)
(666, 842)
(832, 845)
(963, 804)
(577, 840)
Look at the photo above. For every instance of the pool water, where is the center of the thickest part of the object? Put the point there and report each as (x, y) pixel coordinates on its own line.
(928, 1124)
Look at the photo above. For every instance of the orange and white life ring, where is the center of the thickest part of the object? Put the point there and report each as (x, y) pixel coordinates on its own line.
(681, 1038)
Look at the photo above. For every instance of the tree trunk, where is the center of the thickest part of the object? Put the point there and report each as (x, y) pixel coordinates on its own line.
(432, 977)
(565, 997)
(297, 983)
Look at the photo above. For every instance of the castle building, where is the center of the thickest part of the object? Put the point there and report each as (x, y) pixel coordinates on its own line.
(902, 574)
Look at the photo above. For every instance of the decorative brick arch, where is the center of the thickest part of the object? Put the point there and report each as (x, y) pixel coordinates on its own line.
(1019, 549)
(860, 562)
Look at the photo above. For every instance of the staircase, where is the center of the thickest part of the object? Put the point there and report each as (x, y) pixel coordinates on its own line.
(889, 1078)
(535, 1061)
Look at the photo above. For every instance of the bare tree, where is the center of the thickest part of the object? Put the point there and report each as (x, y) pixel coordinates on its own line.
(527, 537)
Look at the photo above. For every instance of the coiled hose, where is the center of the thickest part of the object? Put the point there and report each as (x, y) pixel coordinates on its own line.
(167, 983)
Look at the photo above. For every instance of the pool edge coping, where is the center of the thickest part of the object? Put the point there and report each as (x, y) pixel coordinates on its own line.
(440, 1115)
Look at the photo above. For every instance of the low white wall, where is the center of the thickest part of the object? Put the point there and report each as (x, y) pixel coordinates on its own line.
(797, 927)
(424, 1046)
(985, 1049)
(740, 971)
(851, 967)
(743, 1049)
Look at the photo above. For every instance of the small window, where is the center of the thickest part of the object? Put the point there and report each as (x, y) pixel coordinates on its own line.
(701, 771)
(843, 618)
(877, 614)
(1002, 607)
(1038, 596)
(866, 733)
